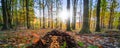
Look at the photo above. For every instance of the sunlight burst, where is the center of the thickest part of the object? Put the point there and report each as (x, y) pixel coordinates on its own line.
(63, 15)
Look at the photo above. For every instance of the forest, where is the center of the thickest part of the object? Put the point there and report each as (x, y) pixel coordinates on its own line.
(59, 23)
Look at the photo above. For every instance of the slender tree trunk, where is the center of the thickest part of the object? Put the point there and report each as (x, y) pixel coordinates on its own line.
(56, 14)
(51, 7)
(86, 26)
(16, 14)
(40, 11)
(110, 19)
(27, 14)
(90, 12)
(48, 17)
(23, 13)
(80, 14)
(68, 20)
(102, 17)
(48, 3)
(74, 15)
(43, 15)
(98, 17)
(111, 15)
(119, 24)
(12, 15)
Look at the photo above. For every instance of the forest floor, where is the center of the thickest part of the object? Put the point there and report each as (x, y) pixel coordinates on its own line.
(28, 38)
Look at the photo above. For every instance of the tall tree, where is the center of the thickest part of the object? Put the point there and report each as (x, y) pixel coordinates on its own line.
(16, 13)
(40, 11)
(74, 14)
(85, 26)
(9, 12)
(5, 22)
(57, 9)
(43, 13)
(91, 3)
(48, 7)
(98, 17)
(90, 11)
(68, 20)
(80, 3)
(51, 12)
(27, 14)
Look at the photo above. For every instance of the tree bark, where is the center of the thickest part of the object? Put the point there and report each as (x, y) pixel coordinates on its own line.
(43, 15)
(51, 11)
(119, 24)
(98, 17)
(27, 14)
(40, 11)
(85, 27)
(111, 15)
(74, 15)
(5, 18)
(68, 20)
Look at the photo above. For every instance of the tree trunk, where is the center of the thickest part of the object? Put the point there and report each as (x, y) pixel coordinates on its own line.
(27, 14)
(98, 17)
(119, 24)
(56, 13)
(74, 14)
(111, 15)
(43, 15)
(85, 26)
(16, 14)
(90, 12)
(40, 11)
(102, 18)
(8, 12)
(51, 7)
(80, 14)
(5, 18)
(68, 20)
(48, 17)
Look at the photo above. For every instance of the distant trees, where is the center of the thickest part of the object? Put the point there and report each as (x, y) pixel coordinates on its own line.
(21, 13)
(98, 17)
(85, 26)
(68, 19)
